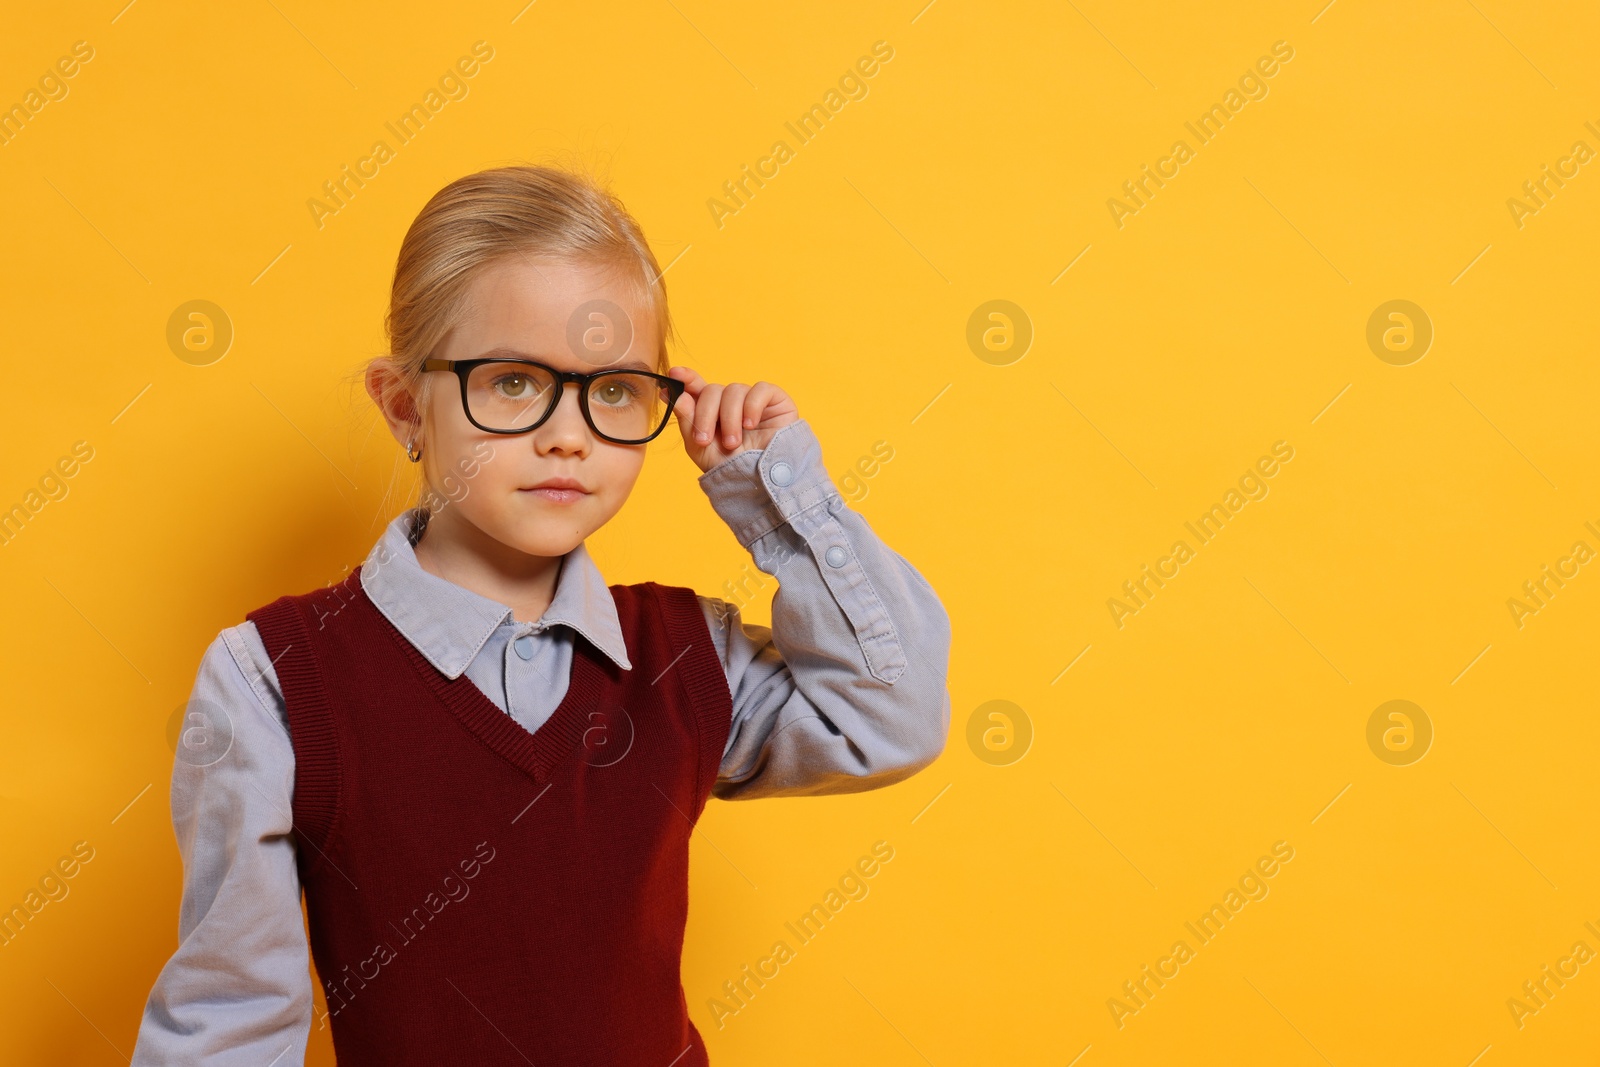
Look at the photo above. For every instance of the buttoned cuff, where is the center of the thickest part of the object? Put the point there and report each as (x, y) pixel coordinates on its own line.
(759, 490)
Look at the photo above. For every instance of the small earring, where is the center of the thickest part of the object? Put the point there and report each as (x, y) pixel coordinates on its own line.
(412, 453)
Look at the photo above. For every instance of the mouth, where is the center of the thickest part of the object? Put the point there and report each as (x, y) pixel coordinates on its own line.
(558, 490)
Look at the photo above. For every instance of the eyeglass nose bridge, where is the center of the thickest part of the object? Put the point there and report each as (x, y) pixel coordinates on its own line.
(564, 378)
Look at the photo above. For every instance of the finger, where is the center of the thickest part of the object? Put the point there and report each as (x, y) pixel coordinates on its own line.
(756, 401)
(705, 413)
(683, 408)
(732, 406)
(690, 378)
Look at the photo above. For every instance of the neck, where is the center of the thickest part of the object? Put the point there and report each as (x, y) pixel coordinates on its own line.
(457, 551)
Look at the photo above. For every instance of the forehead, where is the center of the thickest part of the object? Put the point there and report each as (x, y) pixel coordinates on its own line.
(550, 310)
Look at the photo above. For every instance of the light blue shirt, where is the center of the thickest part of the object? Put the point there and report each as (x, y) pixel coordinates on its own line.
(845, 692)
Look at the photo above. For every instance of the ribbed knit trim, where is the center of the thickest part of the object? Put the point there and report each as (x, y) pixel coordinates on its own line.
(698, 670)
(537, 753)
(282, 627)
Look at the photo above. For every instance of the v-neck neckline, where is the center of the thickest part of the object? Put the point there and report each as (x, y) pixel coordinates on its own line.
(533, 753)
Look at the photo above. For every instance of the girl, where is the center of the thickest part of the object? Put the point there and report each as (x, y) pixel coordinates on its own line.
(480, 762)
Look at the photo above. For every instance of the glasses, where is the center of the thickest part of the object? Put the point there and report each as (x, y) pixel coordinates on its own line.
(625, 407)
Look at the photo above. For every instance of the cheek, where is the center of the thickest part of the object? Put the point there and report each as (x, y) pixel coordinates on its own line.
(615, 470)
(447, 421)
(454, 445)
(622, 470)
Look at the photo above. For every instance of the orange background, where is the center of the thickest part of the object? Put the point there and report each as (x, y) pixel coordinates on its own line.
(1050, 855)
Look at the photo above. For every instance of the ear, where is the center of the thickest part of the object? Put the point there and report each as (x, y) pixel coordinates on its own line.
(386, 386)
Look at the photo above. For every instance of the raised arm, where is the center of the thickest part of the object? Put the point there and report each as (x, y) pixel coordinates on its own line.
(846, 691)
(238, 990)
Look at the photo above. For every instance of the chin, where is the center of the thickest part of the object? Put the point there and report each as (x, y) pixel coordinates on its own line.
(544, 535)
(547, 543)
(548, 548)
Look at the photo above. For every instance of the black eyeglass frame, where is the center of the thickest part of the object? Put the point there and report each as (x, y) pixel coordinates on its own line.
(463, 370)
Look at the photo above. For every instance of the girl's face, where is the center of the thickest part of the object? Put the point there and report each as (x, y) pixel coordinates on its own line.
(535, 309)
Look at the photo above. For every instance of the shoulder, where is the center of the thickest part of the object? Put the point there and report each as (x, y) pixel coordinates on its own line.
(272, 625)
(235, 678)
(293, 618)
(683, 595)
(332, 594)
(645, 591)
(680, 604)
(637, 601)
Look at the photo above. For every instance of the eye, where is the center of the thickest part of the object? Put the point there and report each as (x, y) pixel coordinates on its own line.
(615, 392)
(513, 386)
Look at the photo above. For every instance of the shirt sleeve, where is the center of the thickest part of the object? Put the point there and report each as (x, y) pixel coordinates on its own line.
(238, 988)
(847, 690)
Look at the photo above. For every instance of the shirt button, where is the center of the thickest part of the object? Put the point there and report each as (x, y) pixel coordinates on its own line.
(524, 646)
(836, 556)
(781, 473)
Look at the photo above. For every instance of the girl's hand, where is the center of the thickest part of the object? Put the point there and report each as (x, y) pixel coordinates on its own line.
(718, 422)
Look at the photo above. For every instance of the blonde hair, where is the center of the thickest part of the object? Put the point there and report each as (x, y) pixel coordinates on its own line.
(477, 220)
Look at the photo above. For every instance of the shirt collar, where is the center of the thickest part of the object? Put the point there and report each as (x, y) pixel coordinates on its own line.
(449, 624)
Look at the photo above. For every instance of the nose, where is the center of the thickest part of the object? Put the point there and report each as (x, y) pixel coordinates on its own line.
(565, 430)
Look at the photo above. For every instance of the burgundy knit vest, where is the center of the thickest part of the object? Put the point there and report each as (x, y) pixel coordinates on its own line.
(479, 894)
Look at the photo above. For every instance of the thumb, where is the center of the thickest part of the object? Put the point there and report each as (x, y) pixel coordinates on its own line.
(684, 410)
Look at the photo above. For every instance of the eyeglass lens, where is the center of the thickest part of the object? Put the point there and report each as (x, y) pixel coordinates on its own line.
(625, 405)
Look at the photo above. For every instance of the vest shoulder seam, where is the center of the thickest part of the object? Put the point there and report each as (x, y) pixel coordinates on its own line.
(302, 683)
(700, 675)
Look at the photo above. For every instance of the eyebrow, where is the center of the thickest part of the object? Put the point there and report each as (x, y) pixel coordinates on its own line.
(505, 352)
